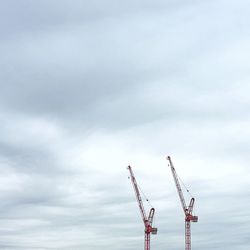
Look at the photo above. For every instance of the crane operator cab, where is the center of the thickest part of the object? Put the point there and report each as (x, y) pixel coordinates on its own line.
(194, 218)
(154, 230)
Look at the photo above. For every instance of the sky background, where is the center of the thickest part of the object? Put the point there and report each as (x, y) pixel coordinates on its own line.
(90, 87)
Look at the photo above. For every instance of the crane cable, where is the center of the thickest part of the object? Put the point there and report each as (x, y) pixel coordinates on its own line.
(187, 190)
(147, 200)
(144, 196)
(190, 194)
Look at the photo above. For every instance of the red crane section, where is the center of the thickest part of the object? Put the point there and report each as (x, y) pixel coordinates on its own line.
(189, 217)
(147, 221)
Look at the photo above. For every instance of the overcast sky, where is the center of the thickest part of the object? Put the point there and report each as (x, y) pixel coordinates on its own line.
(90, 87)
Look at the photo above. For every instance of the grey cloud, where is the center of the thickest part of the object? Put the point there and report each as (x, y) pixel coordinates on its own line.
(79, 95)
(87, 87)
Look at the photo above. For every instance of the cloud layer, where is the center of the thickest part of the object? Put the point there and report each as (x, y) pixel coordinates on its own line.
(88, 88)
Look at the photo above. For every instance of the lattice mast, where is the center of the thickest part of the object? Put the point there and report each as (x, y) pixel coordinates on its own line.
(147, 221)
(189, 217)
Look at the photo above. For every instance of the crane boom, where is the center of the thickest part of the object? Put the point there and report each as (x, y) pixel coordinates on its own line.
(138, 196)
(178, 186)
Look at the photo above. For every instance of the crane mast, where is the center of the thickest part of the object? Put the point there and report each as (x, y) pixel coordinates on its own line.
(147, 221)
(189, 217)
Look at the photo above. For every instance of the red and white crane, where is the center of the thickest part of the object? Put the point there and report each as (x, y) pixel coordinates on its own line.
(189, 217)
(146, 220)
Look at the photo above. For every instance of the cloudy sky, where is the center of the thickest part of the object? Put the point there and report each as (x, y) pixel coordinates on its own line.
(89, 87)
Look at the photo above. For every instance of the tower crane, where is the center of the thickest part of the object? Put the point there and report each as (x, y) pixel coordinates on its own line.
(188, 210)
(146, 220)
